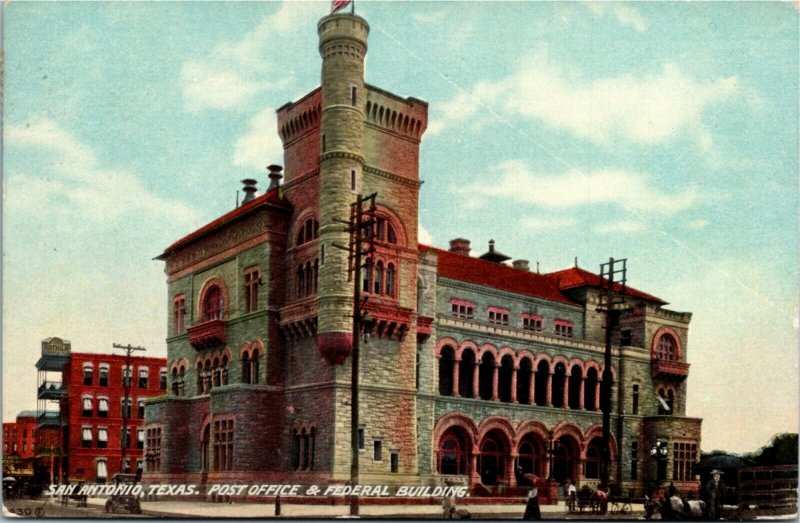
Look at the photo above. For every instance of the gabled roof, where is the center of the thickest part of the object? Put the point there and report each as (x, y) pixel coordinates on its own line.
(575, 277)
(497, 276)
(272, 198)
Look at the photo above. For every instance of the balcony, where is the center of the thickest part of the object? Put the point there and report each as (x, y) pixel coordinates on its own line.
(49, 419)
(51, 390)
(208, 334)
(669, 369)
(424, 327)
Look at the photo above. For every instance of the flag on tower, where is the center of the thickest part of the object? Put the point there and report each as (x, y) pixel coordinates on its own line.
(338, 4)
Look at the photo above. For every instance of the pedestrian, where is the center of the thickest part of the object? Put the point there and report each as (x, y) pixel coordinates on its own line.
(715, 492)
(572, 496)
(532, 505)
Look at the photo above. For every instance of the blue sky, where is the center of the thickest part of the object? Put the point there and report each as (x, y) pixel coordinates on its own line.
(663, 132)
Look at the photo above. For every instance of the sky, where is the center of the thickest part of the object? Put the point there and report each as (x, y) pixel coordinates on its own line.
(661, 132)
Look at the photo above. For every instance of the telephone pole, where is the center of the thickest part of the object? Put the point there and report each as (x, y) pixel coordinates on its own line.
(126, 409)
(361, 229)
(614, 272)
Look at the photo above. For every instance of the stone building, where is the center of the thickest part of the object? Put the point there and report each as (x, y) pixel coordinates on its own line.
(473, 368)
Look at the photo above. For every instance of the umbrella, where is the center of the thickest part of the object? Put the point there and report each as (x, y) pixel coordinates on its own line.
(533, 478)
(9, 478)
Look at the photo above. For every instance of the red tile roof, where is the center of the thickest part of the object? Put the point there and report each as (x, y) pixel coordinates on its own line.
(576, 277)
(497, 276)
(273, 198)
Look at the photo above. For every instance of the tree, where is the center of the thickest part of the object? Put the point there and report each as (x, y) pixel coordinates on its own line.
(782, 450)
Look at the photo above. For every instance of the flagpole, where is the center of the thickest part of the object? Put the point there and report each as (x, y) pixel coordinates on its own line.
(353, 7)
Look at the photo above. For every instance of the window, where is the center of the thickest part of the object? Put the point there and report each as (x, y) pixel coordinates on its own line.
(252, 280)
(684, 456)
(162, 379)
(179, 313)
(126, 465)
(223, 444)
(353, 95)
(127, 373)
(666, 348)
(563, 328)
(102, 408)
(143, 375)
(353, 179)
(625, 337)
(102, 438)
(498, 316)
(87, 407)
(384, 231)
(86, 438)
(462, 309)
(102, 471)
(125, 408)
(140, 439)
(394, 459)
(303, 446)
(635, 400)
(213, 304)
(532, 323)
(125, 438)
(634, 460)
(390, 280)
(140, 409)
(153, 452)
(103, 377)
(88, 374)
(360, 438)
(377, 454)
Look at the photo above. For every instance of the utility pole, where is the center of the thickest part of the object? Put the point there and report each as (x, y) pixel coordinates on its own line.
(361, 229)
(609, 303)
(124, 438)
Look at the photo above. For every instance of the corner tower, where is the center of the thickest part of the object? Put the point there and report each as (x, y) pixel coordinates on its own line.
(343, 46)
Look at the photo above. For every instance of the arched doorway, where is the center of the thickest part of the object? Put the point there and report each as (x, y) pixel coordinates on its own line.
(452, 455)
(565, 459)
(594, 459)
(531, 458)
(491, 465)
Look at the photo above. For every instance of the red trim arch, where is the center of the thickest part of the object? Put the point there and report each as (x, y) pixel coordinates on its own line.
(525, 353)
(576, 361)
(223, 288)
(455, 419)
(244, 348)
(507, 350)
(596, 431)
(300, 221)
(568, 428)
(613, 373)
(561, 359)
(178, 363)
(487, 347)
(500, 423)
(446, 342)
(669, 332)
(591, 364)
(530, 426)
(543, 356)
(397, 223)
(467, 344)
(258, 347)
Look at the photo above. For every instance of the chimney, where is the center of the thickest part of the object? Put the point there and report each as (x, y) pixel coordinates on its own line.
(249, 189)
(274, 176)
(460, 246)
(521, 265)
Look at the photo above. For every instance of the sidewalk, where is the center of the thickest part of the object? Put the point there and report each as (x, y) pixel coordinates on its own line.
(203, 509)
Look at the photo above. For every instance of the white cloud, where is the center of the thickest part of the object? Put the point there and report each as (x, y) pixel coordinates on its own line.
(625, 14)
(622, 226)
(650, 109)
(260, 146)
(698, 224)
(423, 236)
(539, 224)
(513, 180)
(233, 73)
(77, 181)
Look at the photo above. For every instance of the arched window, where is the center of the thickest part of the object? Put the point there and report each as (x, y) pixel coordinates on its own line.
(175, 381)
(466, 373)
(667, 348)
(307, 232)
(378, 277)
(504, 376)
(254, 367)
(575, 379)
(524, 381)
(446, 362)
(557, 391)
(542, 377)
(213, 304)
(492, 459)
(390, 276)
(590, 390)
(366, 285)
(486, 376)
(531, 458)
(246, 367)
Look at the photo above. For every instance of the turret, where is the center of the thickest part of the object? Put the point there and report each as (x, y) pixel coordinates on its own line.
(343, 46)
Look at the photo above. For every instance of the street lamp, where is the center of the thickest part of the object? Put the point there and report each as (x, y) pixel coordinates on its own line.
(659, 452)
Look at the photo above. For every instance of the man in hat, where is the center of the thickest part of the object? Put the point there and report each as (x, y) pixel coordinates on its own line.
(715, 490)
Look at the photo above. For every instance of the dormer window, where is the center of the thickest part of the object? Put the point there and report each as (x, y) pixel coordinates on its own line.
(531, 322)
(563, 328)
(498, 316)
(462, 309)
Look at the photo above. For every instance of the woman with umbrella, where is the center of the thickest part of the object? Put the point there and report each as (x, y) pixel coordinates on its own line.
(532, 506)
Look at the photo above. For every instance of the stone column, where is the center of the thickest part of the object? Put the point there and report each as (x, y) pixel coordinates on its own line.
(455, 377)
(495, 373)
(514, 384)
(549, 397)
(531, 399)
(581, 393)
(566, 390)
(476, 380)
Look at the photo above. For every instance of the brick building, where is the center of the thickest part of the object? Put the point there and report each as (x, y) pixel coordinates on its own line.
(81, 399)
(19, 440)
(473, 367)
